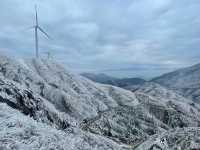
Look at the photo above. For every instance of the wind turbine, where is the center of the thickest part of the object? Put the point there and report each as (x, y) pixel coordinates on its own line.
(38, 28)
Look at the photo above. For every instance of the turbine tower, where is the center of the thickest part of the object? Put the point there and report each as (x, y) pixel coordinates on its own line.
(38, 28)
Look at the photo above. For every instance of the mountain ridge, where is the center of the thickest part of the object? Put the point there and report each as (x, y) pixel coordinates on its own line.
(185, 81)
(126, 83)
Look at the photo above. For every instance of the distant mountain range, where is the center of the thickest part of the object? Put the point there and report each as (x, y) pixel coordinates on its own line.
(185, 81)
(126, 83)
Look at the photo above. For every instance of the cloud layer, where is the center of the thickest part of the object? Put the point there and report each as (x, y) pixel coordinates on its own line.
(121, 37)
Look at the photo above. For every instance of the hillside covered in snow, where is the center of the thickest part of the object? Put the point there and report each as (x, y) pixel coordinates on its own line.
(44, 106)
(186, 81)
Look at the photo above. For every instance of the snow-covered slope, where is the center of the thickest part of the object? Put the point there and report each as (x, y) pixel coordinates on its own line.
(20, 132)
(161, 93)
(176, 139)
(39, 96)
(69, 93)
(51, 95)
(180, 110)
(186, 81)
(18, 97)
(159, 110)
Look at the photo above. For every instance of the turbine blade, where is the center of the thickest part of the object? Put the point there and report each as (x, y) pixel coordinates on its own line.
(36, 16)
(44, 32)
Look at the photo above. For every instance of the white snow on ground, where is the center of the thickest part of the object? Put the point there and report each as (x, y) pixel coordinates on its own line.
(186, 81)
(69, 93)
(166, 97)
(19, 132)
(62, 103)
(176, 139)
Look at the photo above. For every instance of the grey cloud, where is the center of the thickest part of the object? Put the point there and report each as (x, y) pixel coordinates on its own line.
(94, 35)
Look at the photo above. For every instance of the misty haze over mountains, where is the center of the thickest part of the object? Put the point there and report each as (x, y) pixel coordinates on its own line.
(184, 81)
(126, 83)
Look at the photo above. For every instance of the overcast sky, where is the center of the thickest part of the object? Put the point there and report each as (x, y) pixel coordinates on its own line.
(119, 37)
